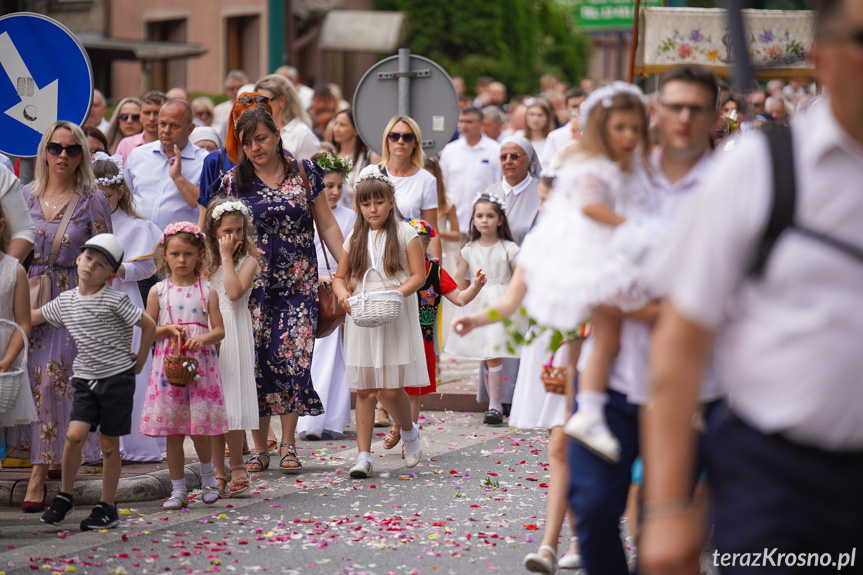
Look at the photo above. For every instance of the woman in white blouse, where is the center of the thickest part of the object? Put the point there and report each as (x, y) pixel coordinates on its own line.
(416, 189)
(22, 231)
(291, 119)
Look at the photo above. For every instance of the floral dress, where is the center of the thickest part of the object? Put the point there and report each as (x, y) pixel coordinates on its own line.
(52, 349)
(284, 299)
(197, 408)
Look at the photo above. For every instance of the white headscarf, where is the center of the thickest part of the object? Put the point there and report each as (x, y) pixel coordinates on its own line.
(525, 145)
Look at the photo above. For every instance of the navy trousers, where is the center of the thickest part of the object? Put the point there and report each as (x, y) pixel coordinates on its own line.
(598, 491)
(772, 496)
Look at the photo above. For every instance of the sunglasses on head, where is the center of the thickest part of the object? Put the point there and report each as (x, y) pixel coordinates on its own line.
(249, 100)
(134, 117)
(407, 137)
(72, 151)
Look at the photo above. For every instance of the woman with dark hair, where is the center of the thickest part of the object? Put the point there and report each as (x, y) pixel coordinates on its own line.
(96, 139)
(284, 300)
(349, 145)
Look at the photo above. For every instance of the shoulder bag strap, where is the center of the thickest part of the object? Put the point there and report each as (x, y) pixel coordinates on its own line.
(784, 196)
(383, 169)
(308, 188)
(61, 230)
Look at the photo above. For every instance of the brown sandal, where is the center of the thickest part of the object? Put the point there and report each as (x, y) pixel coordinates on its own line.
(239, 484)
(392, 438)
(222, 481)
(289, 461)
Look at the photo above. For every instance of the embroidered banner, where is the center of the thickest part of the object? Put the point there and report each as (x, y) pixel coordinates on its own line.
(779, 40)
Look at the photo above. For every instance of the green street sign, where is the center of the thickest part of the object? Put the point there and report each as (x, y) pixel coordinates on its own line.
(605, 15)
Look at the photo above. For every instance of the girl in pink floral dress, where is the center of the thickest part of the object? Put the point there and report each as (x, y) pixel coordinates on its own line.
(184, 306)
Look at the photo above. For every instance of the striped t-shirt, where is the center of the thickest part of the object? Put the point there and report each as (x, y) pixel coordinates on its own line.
(101, 325)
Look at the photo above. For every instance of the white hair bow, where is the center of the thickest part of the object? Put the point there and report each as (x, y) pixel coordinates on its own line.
(116, 158)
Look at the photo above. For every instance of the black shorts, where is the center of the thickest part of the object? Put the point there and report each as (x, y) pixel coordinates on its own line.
(105, 402)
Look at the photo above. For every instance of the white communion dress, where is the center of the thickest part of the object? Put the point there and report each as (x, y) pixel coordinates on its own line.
(24, 410)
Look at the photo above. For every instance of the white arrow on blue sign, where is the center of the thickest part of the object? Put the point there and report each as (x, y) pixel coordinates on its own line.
(47, 77)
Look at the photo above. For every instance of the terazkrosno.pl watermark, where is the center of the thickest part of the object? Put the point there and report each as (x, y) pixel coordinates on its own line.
(772, 557)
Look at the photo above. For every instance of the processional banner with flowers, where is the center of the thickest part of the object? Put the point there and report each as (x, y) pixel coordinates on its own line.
(779, 40)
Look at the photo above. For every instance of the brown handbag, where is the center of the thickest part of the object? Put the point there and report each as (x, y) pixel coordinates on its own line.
(40, 286)
(331, 314)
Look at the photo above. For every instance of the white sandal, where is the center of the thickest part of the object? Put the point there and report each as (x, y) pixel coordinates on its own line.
(177, 500)
(570, 561)
(538, 563)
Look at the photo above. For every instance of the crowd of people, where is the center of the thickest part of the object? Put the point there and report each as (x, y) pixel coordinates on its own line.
(613, 217)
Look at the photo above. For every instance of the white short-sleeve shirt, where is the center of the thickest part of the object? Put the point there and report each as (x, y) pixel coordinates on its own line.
(788, 344)
(413, 193)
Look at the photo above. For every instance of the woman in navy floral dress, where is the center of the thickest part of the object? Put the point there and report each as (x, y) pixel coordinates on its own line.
(284, 299)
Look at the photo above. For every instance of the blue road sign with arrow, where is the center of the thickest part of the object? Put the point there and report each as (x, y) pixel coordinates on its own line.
(46, 77)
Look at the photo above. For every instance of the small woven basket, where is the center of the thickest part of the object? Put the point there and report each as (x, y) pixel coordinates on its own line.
(180, 369)
(376, 308)
(554, 378)
(12, 380)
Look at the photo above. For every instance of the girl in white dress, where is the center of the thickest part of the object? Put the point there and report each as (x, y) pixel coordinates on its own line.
(139, 237)
(231, 241)
(382, 360)
(14, 307)
(490, 248)
(328, 360)
(600, 186)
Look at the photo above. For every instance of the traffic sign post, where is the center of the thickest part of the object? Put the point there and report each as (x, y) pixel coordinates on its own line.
(49, 79)
(423, 90)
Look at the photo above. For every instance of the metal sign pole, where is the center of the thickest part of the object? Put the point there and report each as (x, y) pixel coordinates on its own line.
(739, 46)
(404, 82)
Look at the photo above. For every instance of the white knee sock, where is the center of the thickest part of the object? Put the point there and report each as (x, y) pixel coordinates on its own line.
(208, 475)
(494, 385)
(179, 485)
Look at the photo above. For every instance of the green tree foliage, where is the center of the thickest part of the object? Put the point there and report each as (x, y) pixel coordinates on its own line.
(514, 41)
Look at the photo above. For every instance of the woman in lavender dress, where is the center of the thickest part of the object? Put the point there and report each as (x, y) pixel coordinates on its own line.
(284, 300)
(63, 173)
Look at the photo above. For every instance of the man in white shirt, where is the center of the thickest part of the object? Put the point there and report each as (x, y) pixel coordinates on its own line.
(305, 92)
(492, 123)
(469, 165)
(785, 454)
(599, 489)
(160, 174)
(559, 138)
(235, 80)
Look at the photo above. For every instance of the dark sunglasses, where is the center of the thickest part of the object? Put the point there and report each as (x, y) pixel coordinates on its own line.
(72, 151)
(134, 117)
(249, 100)
(407, 137)
(505, 157)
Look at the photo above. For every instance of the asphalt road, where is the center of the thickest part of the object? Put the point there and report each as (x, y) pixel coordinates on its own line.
(475, 504)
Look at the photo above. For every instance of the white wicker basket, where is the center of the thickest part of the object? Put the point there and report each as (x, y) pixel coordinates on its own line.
(376, 308)
(11, 381)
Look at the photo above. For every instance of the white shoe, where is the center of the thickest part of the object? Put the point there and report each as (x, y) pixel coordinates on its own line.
(592, 432)
(570, 562)
(411, 459)
(362, 469)
(539, 563)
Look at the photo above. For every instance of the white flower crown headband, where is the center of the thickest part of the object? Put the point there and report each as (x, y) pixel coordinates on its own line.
(604, 95)
(483, 197)
(234, 206)
(117, 159)
(380, 177)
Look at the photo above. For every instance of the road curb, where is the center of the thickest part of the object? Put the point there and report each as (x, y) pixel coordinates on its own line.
(88, 491)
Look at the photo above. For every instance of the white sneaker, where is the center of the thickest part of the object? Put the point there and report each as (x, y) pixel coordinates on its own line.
(592, 432)
(362, 469)
(415, 446)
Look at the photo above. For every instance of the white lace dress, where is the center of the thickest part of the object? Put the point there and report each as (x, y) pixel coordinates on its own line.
(237, 356)
(573, 263)
(25, 409)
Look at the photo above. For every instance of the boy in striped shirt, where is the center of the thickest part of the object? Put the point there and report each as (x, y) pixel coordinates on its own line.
(100, 320)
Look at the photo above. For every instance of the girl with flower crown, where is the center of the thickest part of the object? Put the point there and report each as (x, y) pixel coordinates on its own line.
(490, 248)
(186, 311)
(328, 361)
(138, 236)
(234, 256)
(601, 187)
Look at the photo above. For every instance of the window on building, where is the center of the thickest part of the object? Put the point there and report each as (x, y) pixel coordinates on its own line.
(166, 74)
(244, 45)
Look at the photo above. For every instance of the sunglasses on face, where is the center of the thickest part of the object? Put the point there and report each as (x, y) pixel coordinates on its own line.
(249, 100)
(513, 157)
(72, 151)
(134, 117)
(407, 137)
